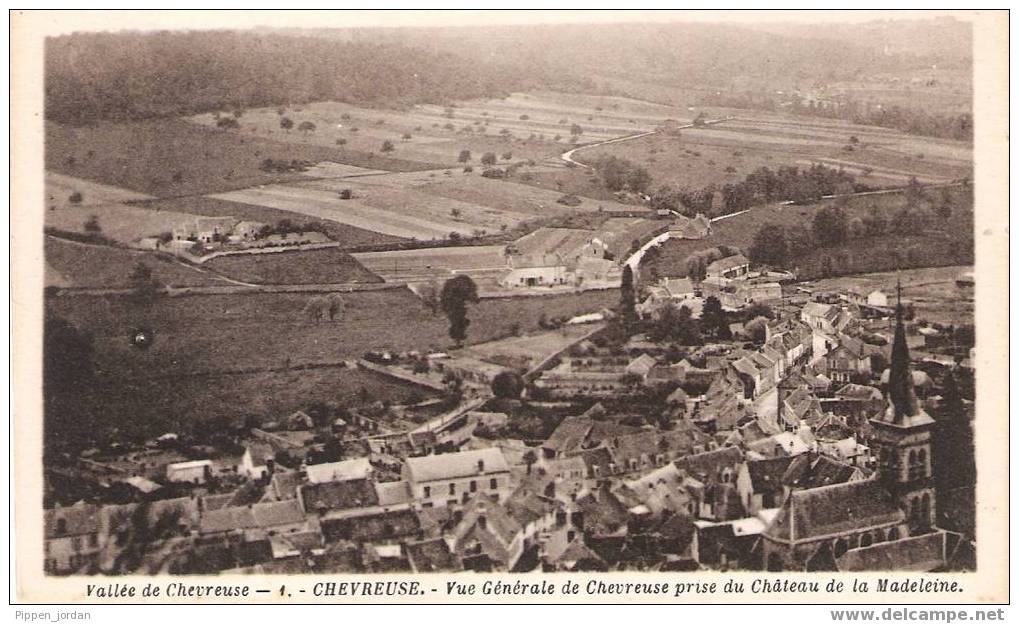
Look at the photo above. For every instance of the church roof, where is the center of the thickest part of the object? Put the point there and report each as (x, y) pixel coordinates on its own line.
(834, 510)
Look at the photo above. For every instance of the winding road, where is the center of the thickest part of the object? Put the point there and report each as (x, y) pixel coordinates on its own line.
(567, 156)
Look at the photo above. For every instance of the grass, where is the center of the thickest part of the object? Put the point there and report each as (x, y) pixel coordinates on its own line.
(96, 266)
(146, 156)
(313, 266)
(162, 386)
(219, 332)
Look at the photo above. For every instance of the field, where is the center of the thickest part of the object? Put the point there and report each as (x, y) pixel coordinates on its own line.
(933, 292)
(527, 351)
(69, 263)
(524, 124)
(216, 333)
(146, 156)
(418, 265)
(729, 151)
(119, 221)
(312, 266)
(945, 241)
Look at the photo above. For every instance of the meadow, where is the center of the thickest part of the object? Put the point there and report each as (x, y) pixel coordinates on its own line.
(312, 266)
(73, 264)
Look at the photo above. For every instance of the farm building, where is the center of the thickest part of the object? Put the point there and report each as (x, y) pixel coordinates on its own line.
(197, 471)
(695, 229)
(733, 267)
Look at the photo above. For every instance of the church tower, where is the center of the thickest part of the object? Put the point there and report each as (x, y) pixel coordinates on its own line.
(902, 438)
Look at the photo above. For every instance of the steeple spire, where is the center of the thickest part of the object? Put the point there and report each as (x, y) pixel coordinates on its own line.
(900, 379)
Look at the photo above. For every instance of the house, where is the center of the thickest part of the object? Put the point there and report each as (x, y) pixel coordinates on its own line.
(810, 470)
(716, 497)
(258, 460)
(346, 470)
(432, 555)
(455, 478)
(732, 267)
(197, 472)
(549, 257)
(248, 230)
(486, 538)
(760, 485)
(694, 229)
(277, 517)
(72, 538)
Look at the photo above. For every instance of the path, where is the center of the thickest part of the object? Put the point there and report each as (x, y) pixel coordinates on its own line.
(568, 155)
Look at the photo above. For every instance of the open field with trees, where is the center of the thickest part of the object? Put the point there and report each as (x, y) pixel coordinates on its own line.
(932, 227)
(171, 157)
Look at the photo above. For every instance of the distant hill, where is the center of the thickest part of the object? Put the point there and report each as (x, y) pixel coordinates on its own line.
(133, 75)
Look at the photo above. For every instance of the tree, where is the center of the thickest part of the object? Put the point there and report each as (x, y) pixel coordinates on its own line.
(507, 155)
(91, 226)
(75, 198)
(387, 146)
(713, 317)
(334, 306)
(688, 330)
(227, 123)
(143, 283)
(488, 159)
(429, 293)
(952, 445)
(406, 136)
(830, 225)
(306, 127)
(465, 156)
(639, 180)
(756, 329)
(576, 130)
(456, 294)
(529, 458)
(627, 298)
(769, 246)
(286, 123)
(315, 307)
(508, 385)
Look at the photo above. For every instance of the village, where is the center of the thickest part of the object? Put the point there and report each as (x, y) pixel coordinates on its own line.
(731, 423)
(422, 306)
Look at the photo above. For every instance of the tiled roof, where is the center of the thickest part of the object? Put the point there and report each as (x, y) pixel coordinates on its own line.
(707, 466)
(834, 510)
(922, 553)
(338, 495)
(432, 556)
(766, 474)
(456, 465)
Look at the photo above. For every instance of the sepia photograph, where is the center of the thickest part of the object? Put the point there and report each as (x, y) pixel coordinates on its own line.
(588, 293)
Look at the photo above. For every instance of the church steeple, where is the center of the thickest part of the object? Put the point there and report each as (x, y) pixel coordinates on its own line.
(900, 378)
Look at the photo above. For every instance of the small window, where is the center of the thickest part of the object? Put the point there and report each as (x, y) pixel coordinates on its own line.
(494, 484)
(474, 486)
(452, 488)
(428, 491)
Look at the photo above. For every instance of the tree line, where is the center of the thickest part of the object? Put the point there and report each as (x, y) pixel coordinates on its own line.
(130, 75)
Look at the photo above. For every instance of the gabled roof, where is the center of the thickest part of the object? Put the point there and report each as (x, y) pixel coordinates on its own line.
(707, 466)
(338, 495)
(807, 472)
(456, 465)
(766, 474)
(359, 468)
(257, 516)
(857, 392)
(562, 243)
(432, 556)
(730, 262)
(834, 510)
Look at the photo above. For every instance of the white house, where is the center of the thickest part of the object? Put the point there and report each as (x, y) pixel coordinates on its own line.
(345, 470)
(454, 478)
